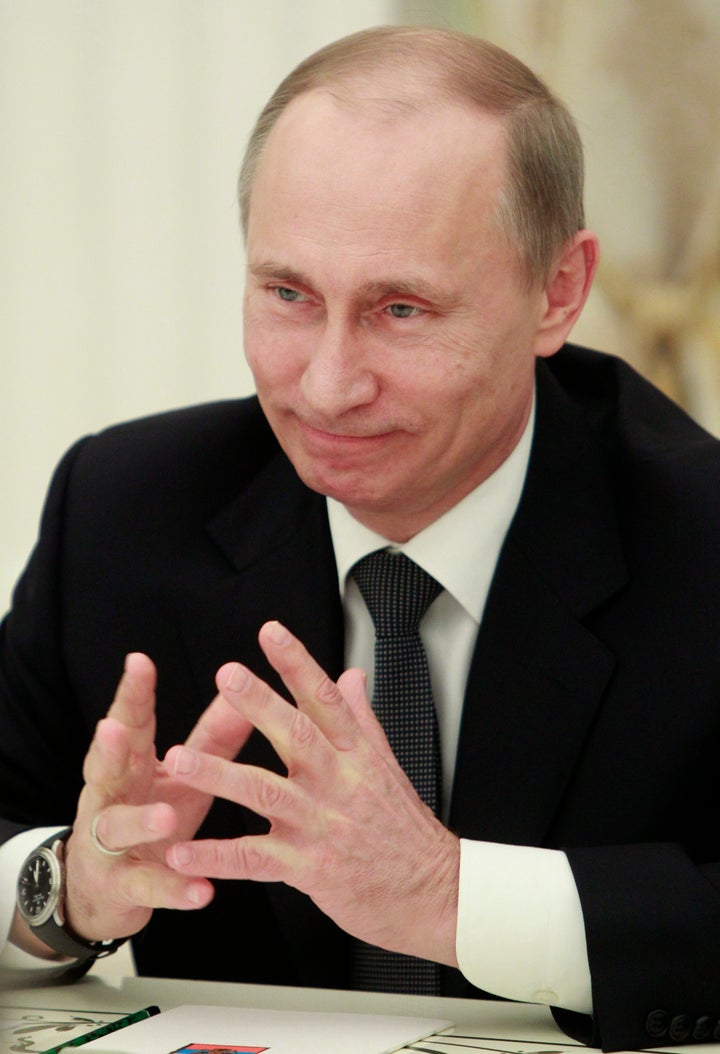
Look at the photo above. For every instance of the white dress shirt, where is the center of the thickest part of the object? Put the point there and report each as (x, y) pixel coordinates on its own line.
(520, 927)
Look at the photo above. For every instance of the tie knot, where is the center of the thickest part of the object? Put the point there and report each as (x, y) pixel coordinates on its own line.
(396, 590)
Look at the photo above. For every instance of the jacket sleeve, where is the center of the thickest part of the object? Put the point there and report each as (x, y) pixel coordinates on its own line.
(652, 916)
(44, 739)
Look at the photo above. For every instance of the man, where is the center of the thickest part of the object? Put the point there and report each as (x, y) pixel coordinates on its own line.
(416, 260)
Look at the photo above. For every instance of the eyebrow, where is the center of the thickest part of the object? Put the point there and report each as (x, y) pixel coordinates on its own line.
(413, 287)
(278, 272)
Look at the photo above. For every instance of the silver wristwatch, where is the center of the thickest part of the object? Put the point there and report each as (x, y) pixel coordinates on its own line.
(40, 900)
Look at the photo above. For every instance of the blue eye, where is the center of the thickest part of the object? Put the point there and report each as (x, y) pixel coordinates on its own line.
(290, 296)
(403, 310)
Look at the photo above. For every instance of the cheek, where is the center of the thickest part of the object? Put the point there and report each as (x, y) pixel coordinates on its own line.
(252, 331)
(461, 369)
(272, 360)
(260, 339)
(479, 385)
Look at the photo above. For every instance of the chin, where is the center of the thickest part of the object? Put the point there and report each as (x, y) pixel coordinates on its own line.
(339, 486)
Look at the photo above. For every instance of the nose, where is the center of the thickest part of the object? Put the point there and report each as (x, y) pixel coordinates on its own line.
(338, 377)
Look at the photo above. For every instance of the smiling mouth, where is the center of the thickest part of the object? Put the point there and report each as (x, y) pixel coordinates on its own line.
(328, 436)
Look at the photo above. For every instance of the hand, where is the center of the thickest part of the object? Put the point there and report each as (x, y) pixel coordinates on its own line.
(138, 808)
(347, 827)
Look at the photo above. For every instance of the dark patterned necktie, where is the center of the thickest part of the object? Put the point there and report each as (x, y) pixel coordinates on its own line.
(397, 594)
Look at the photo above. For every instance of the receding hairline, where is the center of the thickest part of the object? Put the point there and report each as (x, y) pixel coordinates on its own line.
(414, 64)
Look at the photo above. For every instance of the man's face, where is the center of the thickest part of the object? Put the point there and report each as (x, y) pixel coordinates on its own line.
(387, 323)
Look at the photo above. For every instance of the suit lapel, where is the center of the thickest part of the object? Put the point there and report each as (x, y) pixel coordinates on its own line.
(279, 564)
(538, 673)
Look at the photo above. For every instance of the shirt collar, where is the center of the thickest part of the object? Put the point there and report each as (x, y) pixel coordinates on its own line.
(461, 548)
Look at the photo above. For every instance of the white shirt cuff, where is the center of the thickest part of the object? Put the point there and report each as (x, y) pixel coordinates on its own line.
(520, 928)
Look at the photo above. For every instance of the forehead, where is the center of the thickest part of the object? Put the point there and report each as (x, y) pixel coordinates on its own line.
(335, 168)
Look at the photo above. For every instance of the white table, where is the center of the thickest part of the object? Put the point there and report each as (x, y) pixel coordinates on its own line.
(127, 993)
(514, 1022)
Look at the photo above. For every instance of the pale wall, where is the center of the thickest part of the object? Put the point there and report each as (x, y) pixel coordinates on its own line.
(122, 123)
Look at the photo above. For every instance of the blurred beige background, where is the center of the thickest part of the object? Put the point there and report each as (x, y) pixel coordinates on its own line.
(122, 123)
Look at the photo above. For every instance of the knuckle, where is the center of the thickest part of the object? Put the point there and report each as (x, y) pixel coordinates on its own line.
(302, 729)
(327, 692)
(264, 696)
(247, 859)
(272, 796)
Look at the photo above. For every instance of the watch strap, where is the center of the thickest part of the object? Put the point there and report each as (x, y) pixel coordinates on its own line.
(59, 936)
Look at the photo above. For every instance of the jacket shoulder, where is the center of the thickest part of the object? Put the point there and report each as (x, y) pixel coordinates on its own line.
(196, 446)
(623, 405)
(661, 469)
(177, 466)
(196, 433)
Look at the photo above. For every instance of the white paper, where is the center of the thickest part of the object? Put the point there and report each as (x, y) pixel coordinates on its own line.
(32, 1029)
(279, 1031)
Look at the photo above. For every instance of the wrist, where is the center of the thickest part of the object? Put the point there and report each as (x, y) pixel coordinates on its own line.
(435, 899)
(41, 907)
(447, 900)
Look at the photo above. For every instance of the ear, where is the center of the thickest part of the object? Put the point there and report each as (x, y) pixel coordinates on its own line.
(566, 291)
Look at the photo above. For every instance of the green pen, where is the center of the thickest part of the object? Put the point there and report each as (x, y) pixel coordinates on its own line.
(104, 1030)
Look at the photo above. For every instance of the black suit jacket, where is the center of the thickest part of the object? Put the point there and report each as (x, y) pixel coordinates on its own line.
(592, 708)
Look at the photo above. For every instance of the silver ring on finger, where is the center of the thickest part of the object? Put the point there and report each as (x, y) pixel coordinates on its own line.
(98, 844)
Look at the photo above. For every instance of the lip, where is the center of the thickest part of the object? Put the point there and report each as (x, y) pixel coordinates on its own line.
(320, 436)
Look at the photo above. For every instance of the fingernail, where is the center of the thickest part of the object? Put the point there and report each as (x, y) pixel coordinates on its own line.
(237, 678)
(195, 895)
(182, 855)
(185, 762)
(277, 633)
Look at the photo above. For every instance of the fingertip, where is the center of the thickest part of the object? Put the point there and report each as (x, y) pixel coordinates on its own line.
(232, 677)
(222, 674)
(353, 684)
(111, 735)
(170, 759)
(181, 761)
(199, 894)
(134, 699)
(179, 856)
(137, 660)
(162, 820)
(274, 633)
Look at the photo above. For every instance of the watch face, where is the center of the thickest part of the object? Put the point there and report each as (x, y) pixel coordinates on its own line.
(39, 886)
